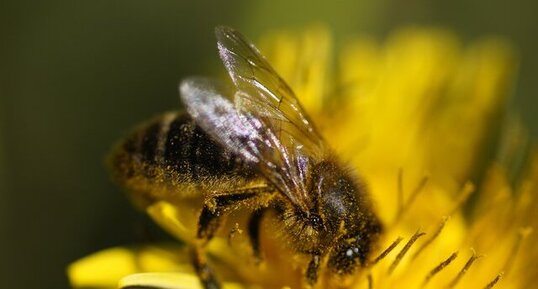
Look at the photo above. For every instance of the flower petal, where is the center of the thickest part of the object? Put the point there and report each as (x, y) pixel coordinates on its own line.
(166, 281)
(103, 269)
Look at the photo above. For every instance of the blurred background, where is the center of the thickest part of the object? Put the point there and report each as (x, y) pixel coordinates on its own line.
(75, 75)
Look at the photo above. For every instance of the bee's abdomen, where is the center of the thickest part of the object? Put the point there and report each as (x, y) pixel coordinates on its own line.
(173, 145)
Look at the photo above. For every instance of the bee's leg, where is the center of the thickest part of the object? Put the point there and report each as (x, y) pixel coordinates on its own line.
(254, 232)
(209, 220)
(208, 223)
(203, 270)
(311, 273)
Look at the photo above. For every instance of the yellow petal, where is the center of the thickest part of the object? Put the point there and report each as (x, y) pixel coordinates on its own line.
(170, 218)
(103, 269)
(167, 281)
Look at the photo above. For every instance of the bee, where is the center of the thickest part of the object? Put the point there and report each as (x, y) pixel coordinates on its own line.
(255, 148)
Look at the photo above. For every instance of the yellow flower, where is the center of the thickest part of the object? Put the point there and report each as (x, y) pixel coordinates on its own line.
(419, 118)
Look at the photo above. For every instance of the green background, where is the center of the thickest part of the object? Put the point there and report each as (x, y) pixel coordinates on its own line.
(75, 75)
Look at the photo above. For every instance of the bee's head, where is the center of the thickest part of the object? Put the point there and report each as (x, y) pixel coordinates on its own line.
(347, 214)
(353, 250)
(339, 195)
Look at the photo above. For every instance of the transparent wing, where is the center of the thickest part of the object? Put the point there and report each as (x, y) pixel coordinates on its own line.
(263, 94)
(252, 136)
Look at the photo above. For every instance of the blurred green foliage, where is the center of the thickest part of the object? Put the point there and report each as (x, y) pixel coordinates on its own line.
(75, 75)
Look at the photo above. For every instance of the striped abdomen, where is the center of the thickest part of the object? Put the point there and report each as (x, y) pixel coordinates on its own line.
(171, 154)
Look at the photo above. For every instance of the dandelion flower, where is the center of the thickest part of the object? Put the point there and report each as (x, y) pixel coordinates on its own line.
(419, 117)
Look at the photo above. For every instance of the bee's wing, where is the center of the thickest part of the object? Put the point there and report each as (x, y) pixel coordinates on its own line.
(207, 104)
(254, 136)
(264, 92)
(289, 140)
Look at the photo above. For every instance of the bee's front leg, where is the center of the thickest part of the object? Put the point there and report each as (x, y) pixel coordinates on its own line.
(311, 273)
(208, 223)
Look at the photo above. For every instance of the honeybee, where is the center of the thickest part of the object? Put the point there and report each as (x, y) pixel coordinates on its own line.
(259, 150)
